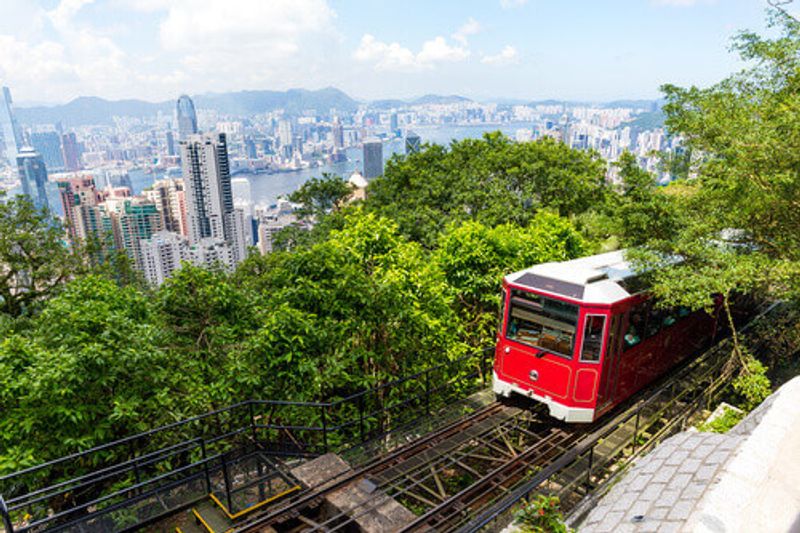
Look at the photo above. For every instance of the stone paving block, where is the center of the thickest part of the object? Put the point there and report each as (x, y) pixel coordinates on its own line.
(677, 457)
(638, 508)
(718, 457)
(703, 451)
(665, 474)
(689, 465)
(625, 501)
(668, 498)
(651, 466)
(691, 443)
(706, 473)
(652, 492)
(693, 491)
(679, 481)
(681, 510)
(599, 513)
(670, 527)
(648, 526)
(659, 513)
(610, 523)
(639, 482)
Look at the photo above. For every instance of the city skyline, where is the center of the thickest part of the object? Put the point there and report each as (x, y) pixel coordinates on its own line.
(53, 51)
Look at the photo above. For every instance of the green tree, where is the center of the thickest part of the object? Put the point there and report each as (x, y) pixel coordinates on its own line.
(738, 221)
(474, 258)
(319, 196)
(492, 180)
(91, 370)
(34, 260)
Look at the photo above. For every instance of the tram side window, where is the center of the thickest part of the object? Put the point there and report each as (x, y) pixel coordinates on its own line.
(654, 321)
(593, 337)
(636, 322)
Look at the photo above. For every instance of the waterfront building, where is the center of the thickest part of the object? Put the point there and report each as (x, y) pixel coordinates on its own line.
(373, 158)
(10, 131)
(210, 211)
(33, 176)
(413, 143)
(48, 144)
(71, 152)
(186, 117)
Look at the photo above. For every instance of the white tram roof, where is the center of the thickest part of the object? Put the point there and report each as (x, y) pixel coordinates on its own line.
(594, 279)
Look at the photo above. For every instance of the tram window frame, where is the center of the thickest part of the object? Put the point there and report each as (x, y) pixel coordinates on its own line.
(521, 299)
(587, 320)
(642, 310)
(653, 324)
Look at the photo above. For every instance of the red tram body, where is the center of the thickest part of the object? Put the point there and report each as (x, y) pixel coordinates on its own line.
(577, 336)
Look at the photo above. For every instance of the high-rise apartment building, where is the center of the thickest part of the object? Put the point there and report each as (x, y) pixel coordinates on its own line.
(33, 175)
(209, 199)
(413, 143)
(48, 144)
(138, 219)
(71, 152)
(186, 117)
(80, 200)
(10, 131)
(170, 199)
(162, 255)
(394, 125)
(373, 158)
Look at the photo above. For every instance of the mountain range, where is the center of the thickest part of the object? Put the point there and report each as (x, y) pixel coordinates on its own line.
(87, 110)
(93, 110)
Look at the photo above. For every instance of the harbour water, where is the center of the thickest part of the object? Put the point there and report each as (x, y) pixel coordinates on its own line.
(268, 187)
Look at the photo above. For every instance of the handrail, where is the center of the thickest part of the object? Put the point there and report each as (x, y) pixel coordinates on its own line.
(356, 417)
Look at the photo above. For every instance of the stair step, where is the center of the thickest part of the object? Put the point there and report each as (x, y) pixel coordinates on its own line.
(211, 518)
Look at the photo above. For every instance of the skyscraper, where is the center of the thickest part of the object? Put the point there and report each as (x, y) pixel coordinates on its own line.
(170, 138)
(71, 152)
(186, 117)
(48, 144)
(207, 184)
(394, 125)
(80, 200)
(162, 255)
(33, 175)
(413, 143)
(373, 158)
(169, 197)
(9, 129)
(338, 134)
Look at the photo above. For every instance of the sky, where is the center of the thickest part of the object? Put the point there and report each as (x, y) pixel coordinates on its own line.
(52, 51)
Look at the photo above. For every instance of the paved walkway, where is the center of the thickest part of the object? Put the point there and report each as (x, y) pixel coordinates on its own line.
(747, 480)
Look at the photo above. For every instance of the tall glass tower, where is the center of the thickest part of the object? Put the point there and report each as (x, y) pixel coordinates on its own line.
(373, 158)
(33, 175)
(9, 129)
(186, 117)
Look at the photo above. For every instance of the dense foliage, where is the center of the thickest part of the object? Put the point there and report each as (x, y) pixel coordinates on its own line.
(403, 280)
(357, 301)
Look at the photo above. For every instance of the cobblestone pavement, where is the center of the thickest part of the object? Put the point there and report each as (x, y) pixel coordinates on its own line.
(663, 488)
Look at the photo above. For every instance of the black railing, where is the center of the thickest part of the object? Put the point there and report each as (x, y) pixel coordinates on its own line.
(132, 481)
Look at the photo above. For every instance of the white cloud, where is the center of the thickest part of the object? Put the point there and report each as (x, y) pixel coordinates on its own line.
(510, 4)
(204, 45)
(507, 56)
(241, 35)
(395, 57)
(470, 27)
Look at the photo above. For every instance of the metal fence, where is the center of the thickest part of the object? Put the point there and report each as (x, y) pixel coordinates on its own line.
(580, 476)
(133, 481)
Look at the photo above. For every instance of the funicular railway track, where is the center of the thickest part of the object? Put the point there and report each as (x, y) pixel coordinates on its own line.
(445, 476)
(471, 473)
(463, 476)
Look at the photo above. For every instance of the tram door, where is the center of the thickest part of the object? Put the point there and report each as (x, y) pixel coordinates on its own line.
(608, 381)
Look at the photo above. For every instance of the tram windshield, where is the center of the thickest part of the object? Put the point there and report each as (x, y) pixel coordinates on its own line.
(542, 322)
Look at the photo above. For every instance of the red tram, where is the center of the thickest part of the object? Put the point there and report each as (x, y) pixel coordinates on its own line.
(579, 337)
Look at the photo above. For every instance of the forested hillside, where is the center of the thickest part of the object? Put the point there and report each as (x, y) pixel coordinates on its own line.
(403, 280)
